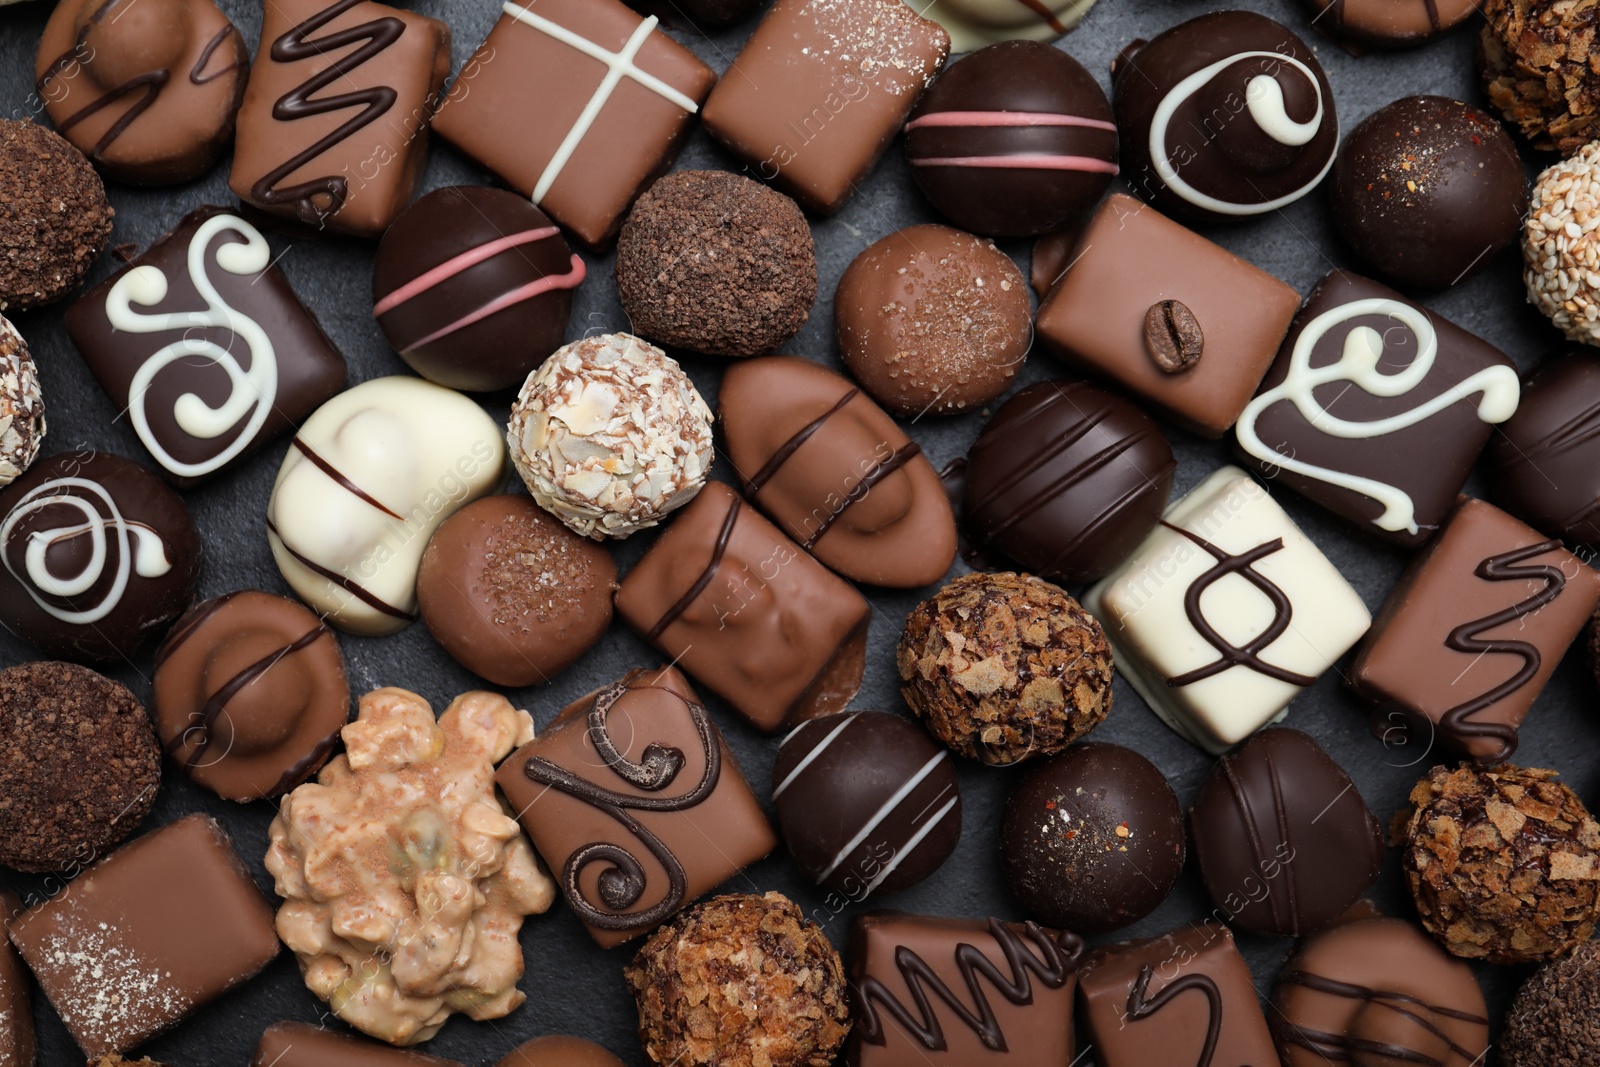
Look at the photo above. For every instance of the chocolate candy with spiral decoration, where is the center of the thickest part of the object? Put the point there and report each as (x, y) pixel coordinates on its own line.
(1225, 117)
(22, 423)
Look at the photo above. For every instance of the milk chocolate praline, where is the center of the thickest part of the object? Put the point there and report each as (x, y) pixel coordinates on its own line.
(558, 1050)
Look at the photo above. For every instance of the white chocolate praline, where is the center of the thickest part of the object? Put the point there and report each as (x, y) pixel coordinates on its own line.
(610, 436)
(1142, 607)
(369, 478)
(972, 24)
(22, 424)
(405, 880)
(1561, 245)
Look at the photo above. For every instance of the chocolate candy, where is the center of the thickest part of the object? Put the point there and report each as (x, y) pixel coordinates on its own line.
(147, 935)
(634, 799)
(1376, 408)
(1376, 991)
(147, 91)
(1052, 255)
(249, 694)
(512, 594)
(299, 1045)
(1226, 612)
(1092, 840)
(473, 287)
(1141, 288)
(748, 614)
(1066, 479)
(578, 104)
(962, 990)
(1551, 1021)
(1387, 23)
(933, 320)
(556, 1050)
(1180, 999)
(866, 802)
(369, 479)
(56, 215)
(22, 422)
(836, 473)
(165, 335)
(1013, 140)
(16, 1003)
(1225, 117)
(378, 70)
(975, 23)
(1544, 465)
(820, 90)
(1555, 265)
(1428, 191)
(1468, 639)
(1284, 841)
(98, 556)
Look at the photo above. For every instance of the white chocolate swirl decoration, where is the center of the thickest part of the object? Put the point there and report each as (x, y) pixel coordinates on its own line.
(1358, 364)
(251, 392)
(116, 545)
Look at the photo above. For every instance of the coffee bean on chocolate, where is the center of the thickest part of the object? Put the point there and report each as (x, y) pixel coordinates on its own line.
(56, 215)
(1544, 465)
(1172, 336)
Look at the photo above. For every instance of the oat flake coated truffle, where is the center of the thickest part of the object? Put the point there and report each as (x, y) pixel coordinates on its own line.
(610, 435)
(1555, 1020)
(1537, 69)
(1561, 245)
(54, 217)
(1504, 864)
(741, 981)
(1005, 667)
(21, 406)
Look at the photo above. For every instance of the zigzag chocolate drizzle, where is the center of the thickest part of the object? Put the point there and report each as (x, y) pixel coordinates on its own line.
(1338, 1048)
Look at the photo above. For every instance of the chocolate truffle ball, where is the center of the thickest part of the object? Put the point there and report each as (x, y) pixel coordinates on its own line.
(1536, 68)
(716, 263)
(1558, 266)
(1067, 480)
(559, 1051)
(1005, 667)
(1428, 190)
(933, 321)
(79, 766)
(1014, 140)
(512, 594)
(740, 981)
(54, 216)
(1555, 1019)
(22, 424)
(1544, 465)
(1504, 864)
(866, 802)
(610, 435)
(473, 287)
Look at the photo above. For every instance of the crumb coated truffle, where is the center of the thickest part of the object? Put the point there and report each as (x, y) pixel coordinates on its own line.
(741, 981)
(716, 263)
(54, 217)
(1537, 69)
(1560, 254)
(1503, 863)
(1005, 667)
(79, 765)
(1555, 1020)
(111, 1059)
(21, 406)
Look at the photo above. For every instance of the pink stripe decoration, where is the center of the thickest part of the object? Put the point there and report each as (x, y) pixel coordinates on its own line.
(1006, 119)
(451, 267)
(1022, 162)
(570, 280)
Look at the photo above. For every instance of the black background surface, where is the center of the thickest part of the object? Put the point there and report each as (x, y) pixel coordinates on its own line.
(573, 986)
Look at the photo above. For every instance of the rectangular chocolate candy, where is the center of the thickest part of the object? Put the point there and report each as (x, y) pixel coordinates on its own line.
(16, 1005)
(299, 1045)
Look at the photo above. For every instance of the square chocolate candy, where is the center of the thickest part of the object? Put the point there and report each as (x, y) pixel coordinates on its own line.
(1169, 999)
(821, 89)
(333, 131)
(203, 344)
(748, 613)
(299, 1045)
(578, 104)
(147, 935)
(634, 800)
(1376, 408)
(1467, 640)
(1226, 612)
(16, 1006)
(1181, 323)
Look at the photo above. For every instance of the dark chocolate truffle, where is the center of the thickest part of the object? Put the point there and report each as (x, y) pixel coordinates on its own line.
(79, 766)
(1555, 1020)
(1014, 140)
(1544, 465)
(54, 216)
(473, 287)
(716, 263)
(866, 802)
(1067, 480)
(933, 321)
(1285, 842)
(1387, 23)
(1092, 840)
(1537, 71)
(1428, 191)
(1005, 667)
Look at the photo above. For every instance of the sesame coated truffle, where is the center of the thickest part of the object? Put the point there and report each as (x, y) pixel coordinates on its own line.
(54, 217)
(22, 423)
(1560, 251)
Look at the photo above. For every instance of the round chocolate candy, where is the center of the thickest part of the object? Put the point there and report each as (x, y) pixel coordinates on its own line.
(1428, 191)
(473, 287)
(250, 694)
(1093, 839)
(1552, 1023)
(556, 1050)
(866, 802)
(54, 215)
(1544, 465)
(1067, 479)
(1014, 140)
(1387, 23)
(1224, 117)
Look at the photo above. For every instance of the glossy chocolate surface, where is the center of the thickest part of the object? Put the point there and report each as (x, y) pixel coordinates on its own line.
(16, 1002)
(1544, 466)
(298, 1045)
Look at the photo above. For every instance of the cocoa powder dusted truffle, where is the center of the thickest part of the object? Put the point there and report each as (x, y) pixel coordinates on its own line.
(54, 217)
(1537, 70)
(1560, 254)
(22, 423)
(1005, 667)
(1504, 864)
(1555, 1020)
(741, 981)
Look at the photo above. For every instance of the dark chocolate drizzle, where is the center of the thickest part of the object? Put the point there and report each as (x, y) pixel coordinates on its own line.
(197, 75)
(1050, 18)
(1289, 900)
(149, 83)
(1141, 1005)
(1060, 956)
(349, 585)
(720, 549)
(344, 483)
(1339, 1048)
(858, 492)
(624, 880)
(787, 450)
